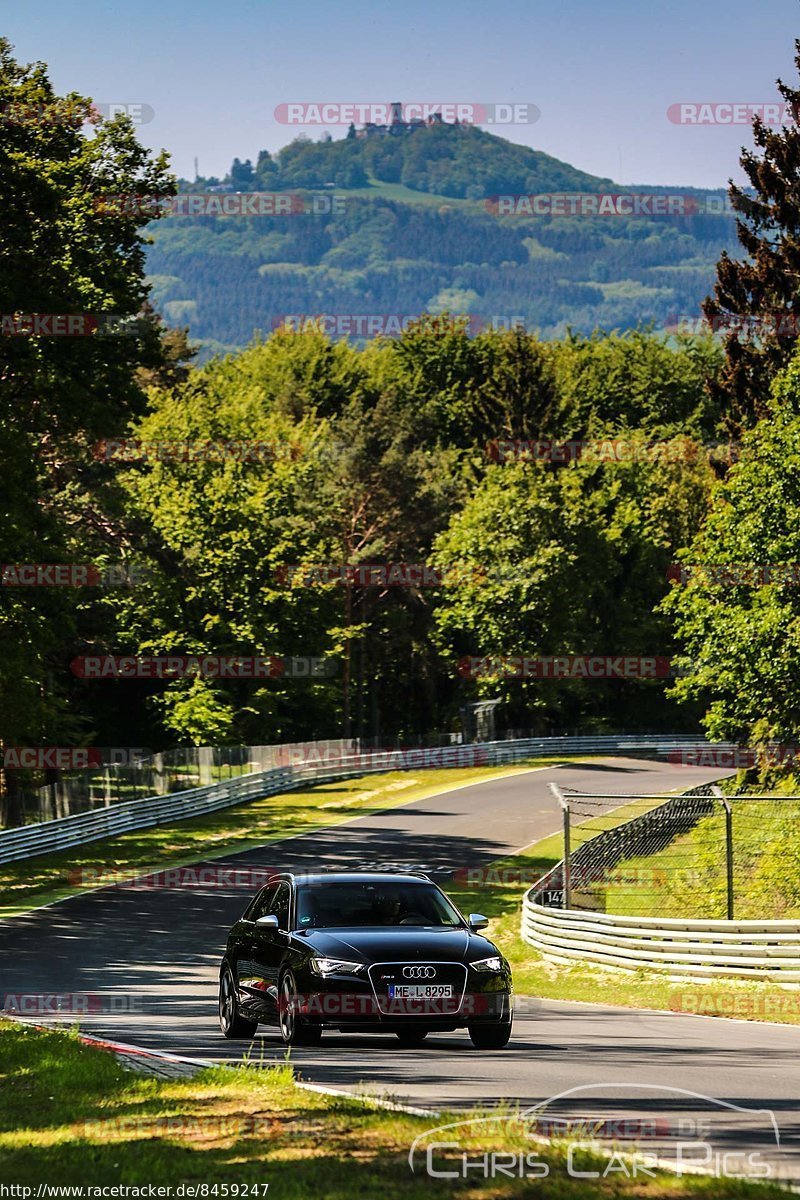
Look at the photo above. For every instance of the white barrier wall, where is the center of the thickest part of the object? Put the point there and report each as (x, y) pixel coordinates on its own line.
(693, 949)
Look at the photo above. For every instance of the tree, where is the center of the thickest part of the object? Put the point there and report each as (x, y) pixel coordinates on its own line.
(241, 173)
(571, 561)
(758, 299)
(177, 353)
(267, 173)
(225, 526)
(353, 487)
(68, 247)
(738, 612)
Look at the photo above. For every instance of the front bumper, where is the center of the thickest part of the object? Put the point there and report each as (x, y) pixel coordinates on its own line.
(364, 1002)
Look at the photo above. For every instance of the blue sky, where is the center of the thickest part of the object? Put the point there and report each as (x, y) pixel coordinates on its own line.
(602, 74)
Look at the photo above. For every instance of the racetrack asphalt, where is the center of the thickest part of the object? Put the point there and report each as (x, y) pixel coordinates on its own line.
(150, 957)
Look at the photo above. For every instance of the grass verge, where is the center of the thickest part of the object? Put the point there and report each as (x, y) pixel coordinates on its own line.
(48, 877)
(73, 1116)
(691, 870)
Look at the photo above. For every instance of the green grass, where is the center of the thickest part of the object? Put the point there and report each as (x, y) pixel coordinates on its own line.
(691, 870)
(72, 1116)
(378, 189)
(45, 878)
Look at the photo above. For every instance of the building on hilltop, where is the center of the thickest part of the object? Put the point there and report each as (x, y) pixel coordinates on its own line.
(397, 124)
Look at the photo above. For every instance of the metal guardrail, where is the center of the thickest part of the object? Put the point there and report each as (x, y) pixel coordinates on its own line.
(45, 837)
(691, 948)
(765, 950)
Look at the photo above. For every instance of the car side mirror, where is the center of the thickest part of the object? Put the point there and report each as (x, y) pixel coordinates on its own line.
(476, 921)
(270, 921)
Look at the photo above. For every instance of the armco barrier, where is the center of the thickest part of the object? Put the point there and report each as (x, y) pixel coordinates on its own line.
(765, 950)
(47, 836)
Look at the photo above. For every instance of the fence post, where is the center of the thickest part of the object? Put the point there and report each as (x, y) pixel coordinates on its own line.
(717, 791)
(566, 881)
(729, 854)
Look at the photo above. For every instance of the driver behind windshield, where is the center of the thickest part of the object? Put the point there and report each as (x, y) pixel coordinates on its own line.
(340, 905)
(387, 908)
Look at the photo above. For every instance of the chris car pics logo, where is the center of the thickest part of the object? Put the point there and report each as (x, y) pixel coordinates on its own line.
(606, 1131)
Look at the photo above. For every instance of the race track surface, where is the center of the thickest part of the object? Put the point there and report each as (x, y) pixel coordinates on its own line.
(150, 957)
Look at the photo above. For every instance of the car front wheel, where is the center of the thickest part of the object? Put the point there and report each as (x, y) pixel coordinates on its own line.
(232, 1024)
(295, 1031)
(490, 1037)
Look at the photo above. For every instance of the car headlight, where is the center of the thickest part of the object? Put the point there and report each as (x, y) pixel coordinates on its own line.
(488, 964)
(335, 966)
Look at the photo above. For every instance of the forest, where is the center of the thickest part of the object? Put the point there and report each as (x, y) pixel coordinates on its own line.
(346, 503)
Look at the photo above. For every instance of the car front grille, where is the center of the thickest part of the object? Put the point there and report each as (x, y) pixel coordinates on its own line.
(385, 975)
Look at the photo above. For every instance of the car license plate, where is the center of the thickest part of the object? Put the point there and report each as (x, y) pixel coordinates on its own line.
(420, 991)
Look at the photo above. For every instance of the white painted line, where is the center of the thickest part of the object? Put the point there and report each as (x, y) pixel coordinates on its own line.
(366, 1098)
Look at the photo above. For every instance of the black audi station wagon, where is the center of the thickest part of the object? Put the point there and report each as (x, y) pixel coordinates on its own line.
(362, 952)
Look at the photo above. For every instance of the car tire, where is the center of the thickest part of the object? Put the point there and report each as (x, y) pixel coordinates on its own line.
(490, 1037)
(294, 1030)
(411, 1037)
(231, 1022)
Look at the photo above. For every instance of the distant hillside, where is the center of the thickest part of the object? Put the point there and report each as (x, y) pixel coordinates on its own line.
(415, 235)
(457, 161)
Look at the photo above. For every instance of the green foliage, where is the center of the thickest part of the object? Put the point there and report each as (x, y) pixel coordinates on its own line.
(756, 297)
(570, 561)
(742, 638)
(379, 453)
(448, 160)
(415, 236)
(382, 457)
(62, 254)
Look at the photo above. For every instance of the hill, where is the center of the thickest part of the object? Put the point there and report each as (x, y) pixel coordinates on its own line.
(455, 161)
(405, 224)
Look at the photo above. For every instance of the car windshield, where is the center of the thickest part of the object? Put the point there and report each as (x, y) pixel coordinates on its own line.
(330, 905)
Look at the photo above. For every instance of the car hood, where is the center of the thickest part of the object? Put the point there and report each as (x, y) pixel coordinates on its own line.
(399, 944)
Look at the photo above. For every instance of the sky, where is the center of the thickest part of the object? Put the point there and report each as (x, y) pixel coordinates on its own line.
(601, 75)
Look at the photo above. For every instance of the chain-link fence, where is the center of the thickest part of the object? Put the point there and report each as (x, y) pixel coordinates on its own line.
(700, 855)
(161, 775)
(182, 769)
(198, 766)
